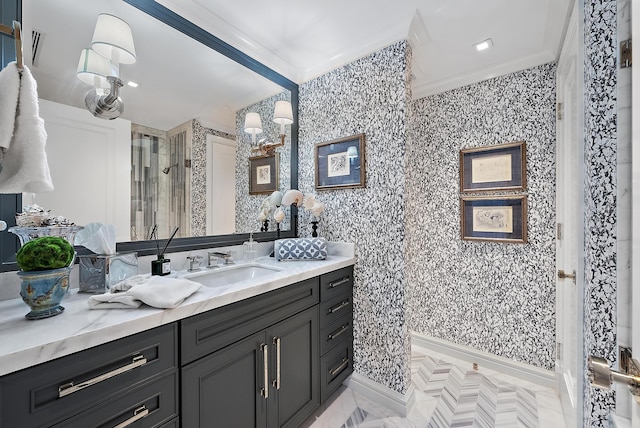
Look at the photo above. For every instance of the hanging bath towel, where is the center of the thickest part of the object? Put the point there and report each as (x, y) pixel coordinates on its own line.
(25, 167)
(9, 90)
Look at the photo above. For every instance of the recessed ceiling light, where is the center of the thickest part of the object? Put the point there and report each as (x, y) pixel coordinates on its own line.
(483, 45)
(132, 84)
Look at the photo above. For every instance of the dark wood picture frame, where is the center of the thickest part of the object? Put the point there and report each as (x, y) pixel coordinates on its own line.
(494, 218)
(340, 163)
(264, 174)
(499, 167)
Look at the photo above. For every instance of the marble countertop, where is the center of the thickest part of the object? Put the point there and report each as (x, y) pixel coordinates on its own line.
(26, 343)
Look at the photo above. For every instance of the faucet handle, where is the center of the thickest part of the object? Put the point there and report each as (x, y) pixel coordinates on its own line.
(192, 263)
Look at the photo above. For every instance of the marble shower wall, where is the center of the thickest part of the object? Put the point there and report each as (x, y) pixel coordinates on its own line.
(248, 206)
(495, 297)
(371, 95)
(600, 197)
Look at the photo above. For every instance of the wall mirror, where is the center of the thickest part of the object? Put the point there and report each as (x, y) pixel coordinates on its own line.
(183, 123)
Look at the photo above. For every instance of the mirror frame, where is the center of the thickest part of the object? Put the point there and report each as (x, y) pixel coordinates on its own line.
(11, 204)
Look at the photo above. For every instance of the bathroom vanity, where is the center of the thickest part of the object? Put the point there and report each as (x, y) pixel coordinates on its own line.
(262, 352)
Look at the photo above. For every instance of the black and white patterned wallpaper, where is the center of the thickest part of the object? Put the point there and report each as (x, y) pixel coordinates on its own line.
(495, 297)
(600, 198)
(370, 95)
(248, 206)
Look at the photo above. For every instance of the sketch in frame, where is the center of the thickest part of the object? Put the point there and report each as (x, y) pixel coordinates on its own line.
(340, 163)
(495, 218)
(264, 174)
(500, 167)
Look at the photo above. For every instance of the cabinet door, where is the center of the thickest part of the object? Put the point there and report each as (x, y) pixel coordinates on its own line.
(225, 389)
(294, 371)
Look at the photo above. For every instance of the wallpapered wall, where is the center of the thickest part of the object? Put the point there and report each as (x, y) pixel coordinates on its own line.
(248, 206)
(495, 297)
(370, 95)
(600, 198)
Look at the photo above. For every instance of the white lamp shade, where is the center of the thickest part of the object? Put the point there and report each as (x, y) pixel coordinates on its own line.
(252, 123)
(352, 152)
(113, 40)
(283, 114)
(93, 69)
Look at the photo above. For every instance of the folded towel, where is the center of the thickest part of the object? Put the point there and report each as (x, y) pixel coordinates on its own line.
(156, 291)
(25, 166)
(301, 249)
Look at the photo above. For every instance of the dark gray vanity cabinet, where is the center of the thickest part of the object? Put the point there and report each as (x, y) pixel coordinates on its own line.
(268, 378)
(132, 381)
(336, 329)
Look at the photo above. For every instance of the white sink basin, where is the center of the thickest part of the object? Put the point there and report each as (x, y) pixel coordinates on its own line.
(231, 274)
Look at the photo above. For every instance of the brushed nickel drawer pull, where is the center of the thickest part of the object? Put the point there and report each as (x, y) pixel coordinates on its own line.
(345, 362)
(338, 332)
(276, 382)
(339, 282)
(138, 414)
(339, 306)
(265, 361)
(70, 388)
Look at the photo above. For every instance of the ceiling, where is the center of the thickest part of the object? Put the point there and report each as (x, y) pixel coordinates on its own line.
(181, 79)
(304, 39)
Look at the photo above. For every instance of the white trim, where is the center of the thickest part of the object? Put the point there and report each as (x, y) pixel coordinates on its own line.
(387, 397)
(503, 365)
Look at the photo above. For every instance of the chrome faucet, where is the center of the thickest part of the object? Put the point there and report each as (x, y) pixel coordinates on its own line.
(215, 255)
(194, 263)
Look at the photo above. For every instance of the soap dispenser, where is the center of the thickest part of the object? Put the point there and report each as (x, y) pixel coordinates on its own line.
(249, 249)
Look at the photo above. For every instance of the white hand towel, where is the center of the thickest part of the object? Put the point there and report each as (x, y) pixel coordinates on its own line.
(156, 291)
(9, 90)
(25, 166)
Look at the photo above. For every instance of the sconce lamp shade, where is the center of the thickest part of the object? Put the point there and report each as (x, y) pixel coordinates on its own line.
(252, 123)
(93, 69)
(283, 114)
(113, 40)
(352, 152)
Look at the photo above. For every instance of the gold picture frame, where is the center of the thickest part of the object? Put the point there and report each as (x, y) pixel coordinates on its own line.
(499, 167)
(340, 163)
(494, 218)
(264, 174)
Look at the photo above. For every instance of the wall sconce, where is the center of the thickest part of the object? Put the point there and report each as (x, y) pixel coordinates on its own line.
(282, 115)
(253, 126)
(112, 45)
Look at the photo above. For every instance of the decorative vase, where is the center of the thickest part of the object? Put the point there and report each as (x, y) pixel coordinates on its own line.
(26, 234)
(314, 228)
(43, 291)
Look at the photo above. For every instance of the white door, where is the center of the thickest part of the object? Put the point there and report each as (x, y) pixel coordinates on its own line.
(221, 186)
(569, 238)
(635, 210)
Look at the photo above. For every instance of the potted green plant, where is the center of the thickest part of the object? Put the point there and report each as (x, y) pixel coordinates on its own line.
(45, 264)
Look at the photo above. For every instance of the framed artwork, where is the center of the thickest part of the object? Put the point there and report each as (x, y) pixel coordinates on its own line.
(340, 163)
(494, 218)
(264, 174)
(501, 167)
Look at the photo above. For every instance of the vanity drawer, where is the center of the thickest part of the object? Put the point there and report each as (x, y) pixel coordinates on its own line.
(49, 392)
(339, 307)
(335, 366)
(335, 333)
(336, 283)
(150, 405)
(208, 332)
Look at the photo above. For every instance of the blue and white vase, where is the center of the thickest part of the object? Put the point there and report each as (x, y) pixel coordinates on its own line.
(43, 291)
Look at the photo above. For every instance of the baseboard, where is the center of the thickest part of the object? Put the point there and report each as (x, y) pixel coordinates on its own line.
(387, 397)
(504, 365)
